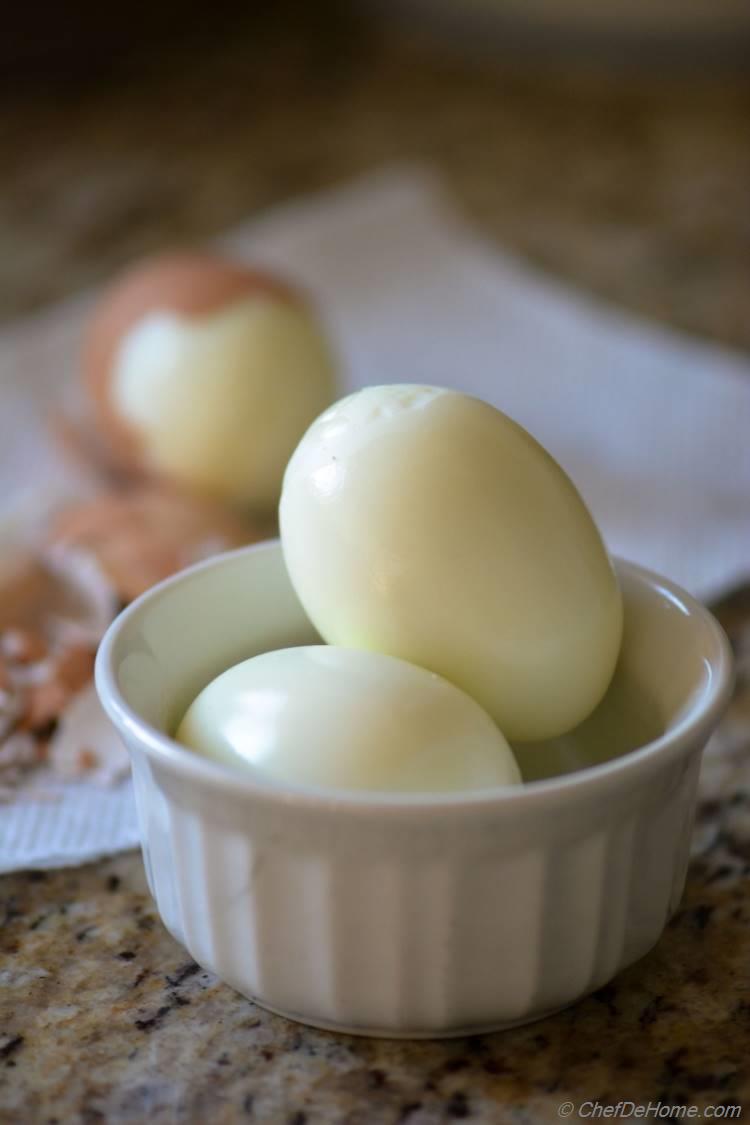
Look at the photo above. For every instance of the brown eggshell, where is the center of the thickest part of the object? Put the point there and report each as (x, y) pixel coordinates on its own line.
(189, 284)
(26, 589)
(147, 532)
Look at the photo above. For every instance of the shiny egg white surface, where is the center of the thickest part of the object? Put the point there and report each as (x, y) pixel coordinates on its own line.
(337, 718)
(426, 524)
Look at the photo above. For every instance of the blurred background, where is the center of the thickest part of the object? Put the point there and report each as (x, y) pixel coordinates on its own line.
(609, 144)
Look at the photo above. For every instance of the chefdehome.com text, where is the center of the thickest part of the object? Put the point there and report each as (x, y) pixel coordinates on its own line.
(649, 1111)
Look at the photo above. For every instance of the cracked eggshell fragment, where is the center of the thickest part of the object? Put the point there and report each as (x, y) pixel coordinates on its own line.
(141, 535)
(207, 373)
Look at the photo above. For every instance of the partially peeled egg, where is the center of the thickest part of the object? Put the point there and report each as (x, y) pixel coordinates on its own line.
(207, 373)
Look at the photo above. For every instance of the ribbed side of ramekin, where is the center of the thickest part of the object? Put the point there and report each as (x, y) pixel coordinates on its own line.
(407, 929)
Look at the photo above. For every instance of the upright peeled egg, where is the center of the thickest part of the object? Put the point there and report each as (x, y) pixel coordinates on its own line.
(343, 719)
(424, 523)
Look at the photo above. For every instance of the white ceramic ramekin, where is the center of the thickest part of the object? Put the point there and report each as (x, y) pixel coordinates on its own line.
(402, 915)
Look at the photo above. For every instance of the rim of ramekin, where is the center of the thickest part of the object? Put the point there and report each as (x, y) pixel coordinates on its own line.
(693, 726)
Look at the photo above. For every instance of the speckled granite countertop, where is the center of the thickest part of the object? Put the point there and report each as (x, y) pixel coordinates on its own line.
(103, 1018)
(633, 185)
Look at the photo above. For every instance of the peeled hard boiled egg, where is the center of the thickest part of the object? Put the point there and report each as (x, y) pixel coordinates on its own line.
(346, 719)
(423, 523)
(207, 373)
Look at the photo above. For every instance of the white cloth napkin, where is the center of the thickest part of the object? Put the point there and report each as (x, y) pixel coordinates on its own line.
(654, 428)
